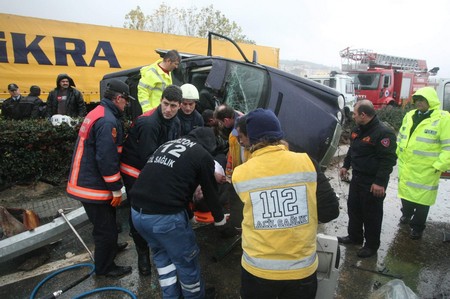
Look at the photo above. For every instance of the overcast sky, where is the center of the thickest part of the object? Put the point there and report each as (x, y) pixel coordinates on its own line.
(312, 30)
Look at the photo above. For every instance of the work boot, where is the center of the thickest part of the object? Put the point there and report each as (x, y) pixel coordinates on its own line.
(121, 246)
(366, 252)
(116, 271)
(415, 235)
(144, 265)
(349, 240)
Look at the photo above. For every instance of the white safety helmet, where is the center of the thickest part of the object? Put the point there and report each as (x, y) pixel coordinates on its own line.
(190, 92)
(58, 119)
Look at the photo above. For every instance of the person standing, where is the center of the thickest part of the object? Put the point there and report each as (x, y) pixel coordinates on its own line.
(372, 157)
(226, 117)
(189, 117)
(32, 106)
(11, 106)
(95, 179)
(423, 154)
(285, 195)
(149, 131)
(65, 99)
(160, 198)
(155, 78)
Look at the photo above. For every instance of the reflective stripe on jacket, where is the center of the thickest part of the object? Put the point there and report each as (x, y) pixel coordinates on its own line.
(278, 189)
(237, 155)
(95, 163)
(425, 153)
(151, 85)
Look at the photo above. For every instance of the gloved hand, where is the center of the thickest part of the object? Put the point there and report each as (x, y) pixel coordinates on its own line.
(117, 198)
(225, 229)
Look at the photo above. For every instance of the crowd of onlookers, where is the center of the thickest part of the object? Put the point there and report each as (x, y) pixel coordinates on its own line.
(64, 99)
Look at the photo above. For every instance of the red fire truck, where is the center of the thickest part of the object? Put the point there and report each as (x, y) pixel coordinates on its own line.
(384, 79)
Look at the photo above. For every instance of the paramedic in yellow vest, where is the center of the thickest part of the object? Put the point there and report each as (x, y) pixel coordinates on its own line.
(155, 78)
(423, 153)
(285, 195)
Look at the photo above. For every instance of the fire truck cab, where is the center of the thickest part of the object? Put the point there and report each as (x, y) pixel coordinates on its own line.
(384, 79)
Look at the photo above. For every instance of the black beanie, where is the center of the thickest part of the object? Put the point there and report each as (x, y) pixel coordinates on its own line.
(263, 125)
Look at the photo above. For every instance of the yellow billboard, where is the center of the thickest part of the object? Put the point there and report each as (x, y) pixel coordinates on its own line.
(34, 51)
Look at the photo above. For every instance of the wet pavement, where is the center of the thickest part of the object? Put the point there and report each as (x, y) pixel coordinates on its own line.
(423, 265)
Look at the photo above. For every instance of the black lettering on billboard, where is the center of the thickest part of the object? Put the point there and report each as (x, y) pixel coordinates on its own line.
(3, 52)
(64, 47)
(108, 52)
(21, 50)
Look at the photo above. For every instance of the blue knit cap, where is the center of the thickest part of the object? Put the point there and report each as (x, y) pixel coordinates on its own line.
(263, 125)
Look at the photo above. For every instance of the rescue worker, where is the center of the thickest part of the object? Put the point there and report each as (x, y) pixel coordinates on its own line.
(239, 146)
(226, 118)
(95, 179)
(189, 117)
(155, 78)
(65, 99)
(285, 195)
(11, 106)
(159, 210)
(423, 154)
(372, 157)
(149, 131)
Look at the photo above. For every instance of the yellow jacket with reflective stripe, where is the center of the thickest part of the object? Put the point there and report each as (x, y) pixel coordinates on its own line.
(278, 189)
(235, 154)
(151, 85)
(425, 153)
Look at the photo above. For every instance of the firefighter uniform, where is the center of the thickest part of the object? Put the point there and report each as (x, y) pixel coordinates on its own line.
(423, 153)
(151, 85)
(95, 174)
(371, 156)
(160, 198)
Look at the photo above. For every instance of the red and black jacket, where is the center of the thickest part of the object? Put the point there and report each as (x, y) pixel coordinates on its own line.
(95, 170)
(148, 132)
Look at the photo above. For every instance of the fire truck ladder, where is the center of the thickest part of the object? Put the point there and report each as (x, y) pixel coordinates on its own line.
(362, 59)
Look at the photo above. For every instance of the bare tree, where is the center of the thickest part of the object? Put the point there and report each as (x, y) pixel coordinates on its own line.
(164, 19)
(190, 22)
(136, 19)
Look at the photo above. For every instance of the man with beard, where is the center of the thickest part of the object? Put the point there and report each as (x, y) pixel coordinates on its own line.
(65, 99)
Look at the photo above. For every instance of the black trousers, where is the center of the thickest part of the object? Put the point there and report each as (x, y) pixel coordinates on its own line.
(418, 212)
(253, 287)
(103, 218)
(139, 241)
(365, 212)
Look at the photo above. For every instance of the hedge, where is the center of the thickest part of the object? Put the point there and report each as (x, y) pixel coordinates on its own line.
(32, 150)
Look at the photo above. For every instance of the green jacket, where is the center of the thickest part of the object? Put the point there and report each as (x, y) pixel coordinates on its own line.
(425, 153)
(151, 85)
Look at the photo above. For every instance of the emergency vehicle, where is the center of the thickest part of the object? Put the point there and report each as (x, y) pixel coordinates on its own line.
(385, 79)
(343, 84)
(311, 114)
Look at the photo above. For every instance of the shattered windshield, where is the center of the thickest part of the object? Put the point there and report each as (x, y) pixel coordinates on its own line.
(244, 87)
(366, 81)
